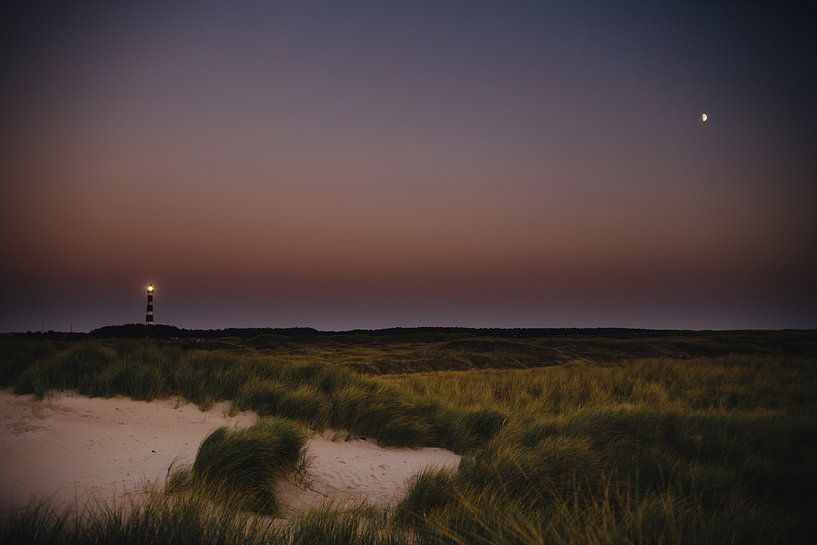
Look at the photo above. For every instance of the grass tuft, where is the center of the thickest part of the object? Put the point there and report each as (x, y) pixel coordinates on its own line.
(248, 462)
(431, 489)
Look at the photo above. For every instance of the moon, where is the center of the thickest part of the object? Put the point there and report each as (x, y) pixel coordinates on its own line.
(704, 117)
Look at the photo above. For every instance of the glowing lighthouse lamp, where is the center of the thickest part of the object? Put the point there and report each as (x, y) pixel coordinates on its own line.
(149, 313)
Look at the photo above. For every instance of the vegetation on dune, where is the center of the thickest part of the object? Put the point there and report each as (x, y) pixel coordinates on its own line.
(611, 516)
(659, 450)
(434, 349)
(732, 383)
(431, 489)
(651, 451)
(192, 519)
(247, 463)
(413, 350)
(317, 394)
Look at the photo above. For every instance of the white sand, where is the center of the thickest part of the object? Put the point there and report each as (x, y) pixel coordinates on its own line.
(350, 472)
(71, 449)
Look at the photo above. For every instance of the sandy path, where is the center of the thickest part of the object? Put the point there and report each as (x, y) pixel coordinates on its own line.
(71, 449)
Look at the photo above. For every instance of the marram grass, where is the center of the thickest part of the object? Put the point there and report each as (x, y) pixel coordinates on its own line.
(660, 450)
(247, 463)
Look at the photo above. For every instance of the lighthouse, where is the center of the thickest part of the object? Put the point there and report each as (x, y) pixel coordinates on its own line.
(149, 312)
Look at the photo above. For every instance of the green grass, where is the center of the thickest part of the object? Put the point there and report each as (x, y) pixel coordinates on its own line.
(191, 519)
(429, 490)
(678, 449)
(434, 349)
(652, 451)
(319, 395)
(247, 463)
(731, 383)
(272, 398)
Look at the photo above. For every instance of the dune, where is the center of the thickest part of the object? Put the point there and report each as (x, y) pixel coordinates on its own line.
(351, 472)
(71, 450)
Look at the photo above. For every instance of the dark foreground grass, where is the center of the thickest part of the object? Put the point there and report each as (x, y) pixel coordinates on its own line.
(613, 516)
(686, 451)
(191, 519)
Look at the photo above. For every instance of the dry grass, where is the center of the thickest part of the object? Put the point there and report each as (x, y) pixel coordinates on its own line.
(696, 450)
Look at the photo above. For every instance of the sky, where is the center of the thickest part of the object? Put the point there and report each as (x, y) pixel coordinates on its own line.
(348, 165)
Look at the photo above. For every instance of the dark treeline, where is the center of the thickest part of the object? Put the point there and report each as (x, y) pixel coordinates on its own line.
(402, 350)
(162, 331)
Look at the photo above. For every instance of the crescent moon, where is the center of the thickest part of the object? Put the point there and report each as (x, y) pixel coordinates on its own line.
(704, 117)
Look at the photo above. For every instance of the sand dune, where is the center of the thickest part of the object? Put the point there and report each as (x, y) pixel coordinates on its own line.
(71, 449)
(356, 471)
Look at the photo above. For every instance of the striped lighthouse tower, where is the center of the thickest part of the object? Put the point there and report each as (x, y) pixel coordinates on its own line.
(149, 312)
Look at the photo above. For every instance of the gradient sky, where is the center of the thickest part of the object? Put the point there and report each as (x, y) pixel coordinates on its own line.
(384, 164)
